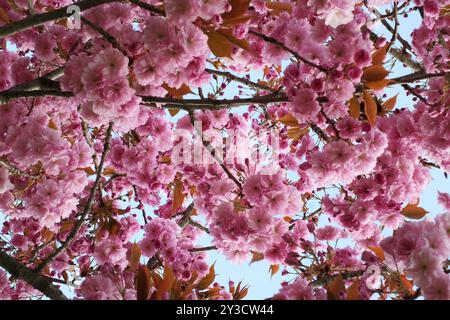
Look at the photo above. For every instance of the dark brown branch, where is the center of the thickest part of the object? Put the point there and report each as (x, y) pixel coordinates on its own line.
(211, 104)
(15, 171)
(319, 132)
(394, 31)
(198, 225)
(5, 96)
(398, 53)
(148, 7)
(210, 148)
(200, 249)
(87, 207)
(186, 216)
(44, 82)
(185, 104)
(416, 76)
(283, 46)
(107, 37)
(414, 93)
(245, 81)
(345, 275)
(33, 278)
(38, 19)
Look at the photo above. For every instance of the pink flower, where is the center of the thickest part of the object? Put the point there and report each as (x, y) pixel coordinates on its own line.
(444, 200)
(276, 201)
(437, 287)
(349, 128)
(328, 233)
(109, 250)
(98, 287)
(259, 219)
(147, 247)
(252, 189)
(305, 105)
(113, 63)
(180, 11)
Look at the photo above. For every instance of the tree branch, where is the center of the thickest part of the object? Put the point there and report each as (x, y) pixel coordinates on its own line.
(416, 76)
(398, 53)
(200, 249)
(283, 46)
(185, 104)
(15, 171)
(33, 278)
(113, 41)
(209, 147)
(38, 19)
(87, 207)
(245, 81)
(148, 7)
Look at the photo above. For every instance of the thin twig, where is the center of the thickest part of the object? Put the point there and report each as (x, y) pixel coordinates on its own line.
(87, 207)
(15, 171)
(200, 249)
(245, 81)
(210, 148)
(113, 41)
(38, 19)
(283, 46)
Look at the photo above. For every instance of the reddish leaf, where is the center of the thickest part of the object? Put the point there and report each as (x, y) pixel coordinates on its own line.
(237, 20)
(273, 269)
(278, 7)
(135, 255)
(240, 43)
(353, 291)
(219, 45)
(374, 73)
(4, 17)
(389, 104)
(378, 85)
(407, 284)
(52, 124)
(173, 112)
(256, 256)
(88, 170)
(166, 283)
(289, 120)
(412, 211)
(178, 196)
(177, 92)
(379, 55)
(370, 108)
(143, 282)
(354, 109)
(205, 282)
(296, 133)
(336, 288)
(378, 252)
(108, 171)
(238, 9)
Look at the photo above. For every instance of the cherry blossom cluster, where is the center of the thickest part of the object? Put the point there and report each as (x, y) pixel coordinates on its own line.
(113, 163)
(421, 249)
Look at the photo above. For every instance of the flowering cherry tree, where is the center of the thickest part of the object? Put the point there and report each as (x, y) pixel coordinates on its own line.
(131, 129)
